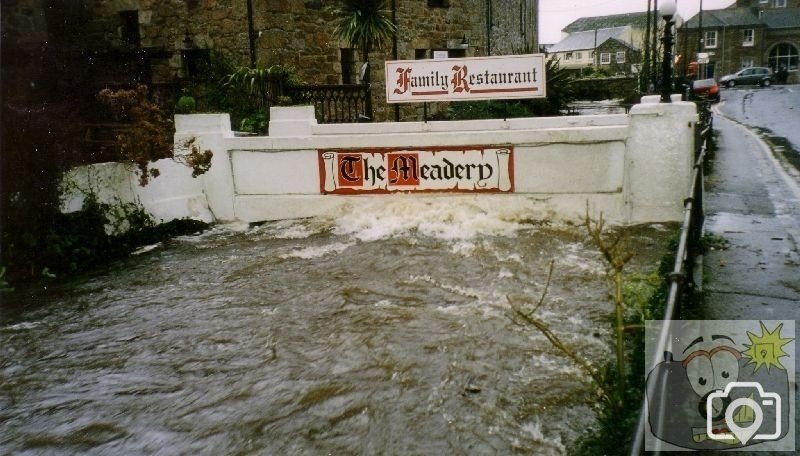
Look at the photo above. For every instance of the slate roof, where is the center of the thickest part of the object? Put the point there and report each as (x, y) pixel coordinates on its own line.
(743, 17)
(627, 45)
(636, 20)
(586, 40)
(782, 18)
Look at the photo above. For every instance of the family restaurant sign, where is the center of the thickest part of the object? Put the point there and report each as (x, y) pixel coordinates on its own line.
(429, 169)
(478, 78)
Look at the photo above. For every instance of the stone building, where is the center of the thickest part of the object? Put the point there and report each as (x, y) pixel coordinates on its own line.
(621, 37)
(610, 50)
(749, 33)
(159, 41)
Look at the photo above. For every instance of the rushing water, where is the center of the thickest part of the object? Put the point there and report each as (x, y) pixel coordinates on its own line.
(384, 331)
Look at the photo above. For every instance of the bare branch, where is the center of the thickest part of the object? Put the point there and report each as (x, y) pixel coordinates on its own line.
(546, 287)
(556, 341)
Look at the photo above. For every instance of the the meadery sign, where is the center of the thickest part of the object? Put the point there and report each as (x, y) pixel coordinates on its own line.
(431, 169)
(479, 78)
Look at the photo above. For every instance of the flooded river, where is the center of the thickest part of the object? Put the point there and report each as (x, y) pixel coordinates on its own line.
(383, 331)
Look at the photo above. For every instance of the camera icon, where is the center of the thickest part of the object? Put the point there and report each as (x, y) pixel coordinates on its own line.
(750, 414)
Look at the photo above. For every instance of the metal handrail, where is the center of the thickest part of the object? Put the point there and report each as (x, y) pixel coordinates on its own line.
(690, 232)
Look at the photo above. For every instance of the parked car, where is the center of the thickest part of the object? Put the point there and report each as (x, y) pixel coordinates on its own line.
(705, 89)
(751, 75)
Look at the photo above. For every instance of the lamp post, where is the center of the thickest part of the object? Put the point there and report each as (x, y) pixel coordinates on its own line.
(667, 10)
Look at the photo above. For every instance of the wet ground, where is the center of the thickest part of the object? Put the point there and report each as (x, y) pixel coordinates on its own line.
(753, 204)
(774, 110)
(384, 331)
(753, 200)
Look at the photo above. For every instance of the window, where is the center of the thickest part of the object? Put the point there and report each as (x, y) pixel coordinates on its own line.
(780, 3)
(568, 56)
(129, 31)
(747, 62)
(456, 53)
(196, 62)
(620, 57)
(439, 3)
(421, 54)
(783, 55)
(578, 55)
(711, 39)
(749, 37)
(605, 58)
(347, 59)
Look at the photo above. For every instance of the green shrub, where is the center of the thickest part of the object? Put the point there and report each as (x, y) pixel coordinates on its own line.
(256, 123)
(186, 105)
(95, 236)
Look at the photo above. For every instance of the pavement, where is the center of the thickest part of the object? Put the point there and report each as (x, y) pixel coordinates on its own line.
(752, 201)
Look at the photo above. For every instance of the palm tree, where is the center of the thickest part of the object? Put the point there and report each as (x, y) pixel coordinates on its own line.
(364, 24)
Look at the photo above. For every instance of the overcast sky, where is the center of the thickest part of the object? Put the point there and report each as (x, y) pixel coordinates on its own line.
(557, 14)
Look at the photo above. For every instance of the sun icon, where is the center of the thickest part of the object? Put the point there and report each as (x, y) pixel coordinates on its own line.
(766, 349)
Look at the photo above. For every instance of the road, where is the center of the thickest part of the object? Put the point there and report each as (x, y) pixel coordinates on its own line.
(773, 112)
(753, 201)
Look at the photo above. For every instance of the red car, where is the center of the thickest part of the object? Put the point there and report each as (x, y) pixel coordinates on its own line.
(705, 89)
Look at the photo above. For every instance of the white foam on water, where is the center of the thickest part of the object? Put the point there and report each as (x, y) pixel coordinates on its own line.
(463, 248)
(237, 227)
(221, 230)
(504, 274)
(399, 215)
(384, 303)
(23, 326)
(572, 260)
(534, 430)
(455, 289)
(318, 251)
(146, 249)
(511, 257)
(555, 364)
(294, 229)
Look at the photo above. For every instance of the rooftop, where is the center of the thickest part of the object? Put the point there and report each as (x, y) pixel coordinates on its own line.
(743, 17)
(636, 20)
(588, 40)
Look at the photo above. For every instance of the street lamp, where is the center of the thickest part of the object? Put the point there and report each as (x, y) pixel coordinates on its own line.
(667, 10)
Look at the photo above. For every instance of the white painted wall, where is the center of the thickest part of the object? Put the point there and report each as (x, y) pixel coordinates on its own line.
(634, 168)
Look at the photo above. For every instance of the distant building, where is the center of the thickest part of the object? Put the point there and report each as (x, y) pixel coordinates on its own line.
(610, 49)
(750, 33)
(612, 43)
(635, 22)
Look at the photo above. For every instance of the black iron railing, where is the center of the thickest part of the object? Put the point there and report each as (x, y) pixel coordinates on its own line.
(334, 103)
(682, 277)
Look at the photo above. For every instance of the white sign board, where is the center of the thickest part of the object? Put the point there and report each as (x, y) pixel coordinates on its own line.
(478, 78)
(439, 55)
(702, 57)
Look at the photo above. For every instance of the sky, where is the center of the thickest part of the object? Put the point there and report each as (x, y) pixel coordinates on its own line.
(557, 14)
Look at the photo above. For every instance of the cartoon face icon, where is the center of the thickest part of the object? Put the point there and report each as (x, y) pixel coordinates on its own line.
(718, 397)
